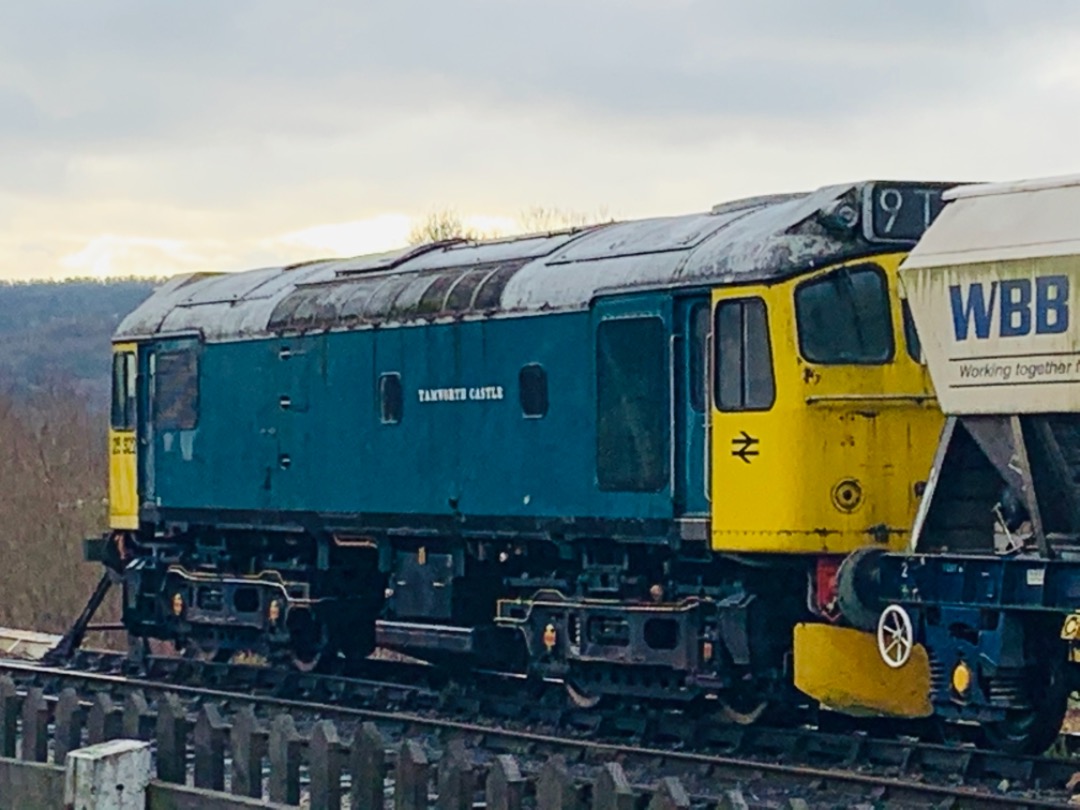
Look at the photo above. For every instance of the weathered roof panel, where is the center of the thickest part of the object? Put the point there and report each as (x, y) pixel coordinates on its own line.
(642, 236)
(532, 246)
(755, 240)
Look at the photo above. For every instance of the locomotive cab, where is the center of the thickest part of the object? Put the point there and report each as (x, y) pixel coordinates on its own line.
(822, 415)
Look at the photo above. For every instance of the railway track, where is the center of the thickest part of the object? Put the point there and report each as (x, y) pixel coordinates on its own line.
(832, 769)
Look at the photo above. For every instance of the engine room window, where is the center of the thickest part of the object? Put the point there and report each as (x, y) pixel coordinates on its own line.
(699, 361)
(631, 400)
(744, 373)
(176, 390)
(532, 383)
(391, 398)
(123, 391)
(843, 318)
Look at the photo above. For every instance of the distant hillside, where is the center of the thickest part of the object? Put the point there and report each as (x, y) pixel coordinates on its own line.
(60, 331)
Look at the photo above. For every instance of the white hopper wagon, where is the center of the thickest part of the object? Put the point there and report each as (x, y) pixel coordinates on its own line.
(991, 586)
(993, 289)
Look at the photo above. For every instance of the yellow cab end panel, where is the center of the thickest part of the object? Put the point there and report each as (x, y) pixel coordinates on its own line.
(841, 669)
(835, 462)
(123, 501)
(123, 475)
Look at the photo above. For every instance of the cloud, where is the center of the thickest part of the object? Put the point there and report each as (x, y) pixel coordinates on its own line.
(209, 135)
(117, 74)
(355, 238)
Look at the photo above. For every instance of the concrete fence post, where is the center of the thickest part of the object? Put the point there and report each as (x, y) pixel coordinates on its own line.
(456, 779)
(555, 788)
(368, 768)
(108, 776)
(505, 784)
(10, 706)
(105, 722)
(70, 718)
(611, 789)
(285, 756)
(138, 719)
(171, 734)
(249, 741)
(35, 726)
(326, 758)
(210, 734)
(411, 777)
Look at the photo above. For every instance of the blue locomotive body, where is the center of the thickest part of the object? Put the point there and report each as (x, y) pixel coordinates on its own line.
(424, 421)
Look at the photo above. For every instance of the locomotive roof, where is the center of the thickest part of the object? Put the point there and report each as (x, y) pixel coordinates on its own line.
(760, 239)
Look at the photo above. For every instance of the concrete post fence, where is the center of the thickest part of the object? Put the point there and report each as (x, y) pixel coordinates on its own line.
(99, 757)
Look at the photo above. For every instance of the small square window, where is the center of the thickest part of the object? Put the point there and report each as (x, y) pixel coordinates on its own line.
(532, 380)
(391, 398)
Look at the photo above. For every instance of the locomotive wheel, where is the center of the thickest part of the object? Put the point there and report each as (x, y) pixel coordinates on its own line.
(308, 643)
(582, 698)
(1032, 730)
(742, 712)
(206, 649)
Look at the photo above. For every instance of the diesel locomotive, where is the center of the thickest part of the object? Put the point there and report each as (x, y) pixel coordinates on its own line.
(980, 616)
(628, 457)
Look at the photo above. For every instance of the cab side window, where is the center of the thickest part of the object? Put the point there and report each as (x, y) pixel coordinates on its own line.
(123, 391)
(743, 368)
(176, 390)
(631, 405)
(911, 337)
(843, 317)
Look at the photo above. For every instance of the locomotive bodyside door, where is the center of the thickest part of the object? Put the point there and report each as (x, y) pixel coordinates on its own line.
(169, 419)
(691, 368)
(750, 447)
(635, 384)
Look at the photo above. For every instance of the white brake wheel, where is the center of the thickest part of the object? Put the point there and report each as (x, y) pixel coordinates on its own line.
(895, 636)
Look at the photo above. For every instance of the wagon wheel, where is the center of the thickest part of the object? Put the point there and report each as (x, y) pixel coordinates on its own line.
(895, 636)
(1033, 729)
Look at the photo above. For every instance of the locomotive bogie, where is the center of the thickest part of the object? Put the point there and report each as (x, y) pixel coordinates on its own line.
(282, 597)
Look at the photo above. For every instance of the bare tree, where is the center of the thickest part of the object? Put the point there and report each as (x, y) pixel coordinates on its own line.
(52, 495)
(442, 224)
(446, 223)
(541, 219)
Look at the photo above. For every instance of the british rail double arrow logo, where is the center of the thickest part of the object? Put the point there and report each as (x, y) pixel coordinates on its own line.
(742, 446)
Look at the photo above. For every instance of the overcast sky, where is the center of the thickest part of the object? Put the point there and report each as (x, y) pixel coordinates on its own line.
(158, 136)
